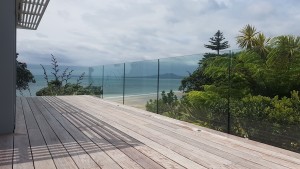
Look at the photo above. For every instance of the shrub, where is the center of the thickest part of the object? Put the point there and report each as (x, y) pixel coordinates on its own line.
(270, 120)
(60, 84)
(168, 105)
(206, 109)
(24, 77)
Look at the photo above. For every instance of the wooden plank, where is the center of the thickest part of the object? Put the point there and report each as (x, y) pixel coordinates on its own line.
(210, 146)
(255, 146)
(79, 156)
(231, 145)
(80, 125)
(232, 158)
(127, 149)
(99, 156)
(22, 148)
(41, 128)
(122, 159)
(225, 145)
(6, 151)
(228, 145)
(153, 144)
(151, 153)
(204, 158)
(169, 163)
(40, 152)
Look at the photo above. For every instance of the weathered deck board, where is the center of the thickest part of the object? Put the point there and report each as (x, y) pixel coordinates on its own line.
(205, 158)
(129, 151)
(263, 157)
(60, 154)
(102, 159)
(87, 132)
(255, 148)
(22, 150)
(40, 151)
(156, 137)
(79, 156)
(218, 138)
(212, 135)
(174, 156)
(210, 146)
(6, 151)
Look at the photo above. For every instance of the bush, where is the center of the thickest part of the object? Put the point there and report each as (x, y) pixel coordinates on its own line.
(270, 120)
(60, 85)
(168, 105)
(206, 108)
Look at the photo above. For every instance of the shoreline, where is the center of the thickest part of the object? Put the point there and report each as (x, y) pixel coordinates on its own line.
(138, 101)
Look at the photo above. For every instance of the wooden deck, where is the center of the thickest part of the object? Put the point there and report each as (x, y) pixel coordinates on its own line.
(87, 132)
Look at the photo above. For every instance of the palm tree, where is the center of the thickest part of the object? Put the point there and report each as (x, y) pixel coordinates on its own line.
(288, 46)
(284, 49)
(247, 38)
(285, 54)
(261, 43)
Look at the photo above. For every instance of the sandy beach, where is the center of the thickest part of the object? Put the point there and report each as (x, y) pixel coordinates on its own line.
(139, 101)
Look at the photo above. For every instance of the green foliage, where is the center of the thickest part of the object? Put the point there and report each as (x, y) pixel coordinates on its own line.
(270, 120)
(60, 84)
(24, 77)
(247, 39)
(205, 108)
(197, 79)
(258, 86)
(216, 42)
(168, 105)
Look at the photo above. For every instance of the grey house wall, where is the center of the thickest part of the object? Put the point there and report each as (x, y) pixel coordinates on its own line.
(7, 65)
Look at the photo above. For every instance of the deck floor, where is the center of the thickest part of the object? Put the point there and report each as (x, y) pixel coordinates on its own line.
(86, 132)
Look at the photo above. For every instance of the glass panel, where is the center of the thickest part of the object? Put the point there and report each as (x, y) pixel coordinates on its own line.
(141, 83)
(41, 82)
(173, 70)
(95, 80)
(113, 82)
(38, 74)
(204, 100)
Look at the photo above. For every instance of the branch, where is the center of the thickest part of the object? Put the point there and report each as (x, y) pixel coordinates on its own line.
(80, 78)
(55, 67)
(45, 75)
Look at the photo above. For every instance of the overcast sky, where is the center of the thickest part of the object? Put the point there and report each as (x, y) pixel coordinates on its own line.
(96, 32)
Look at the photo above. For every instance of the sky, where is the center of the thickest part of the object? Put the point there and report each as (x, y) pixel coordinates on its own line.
(101, 32)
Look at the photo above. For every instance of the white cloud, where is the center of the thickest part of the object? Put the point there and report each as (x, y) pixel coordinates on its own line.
(94, 32)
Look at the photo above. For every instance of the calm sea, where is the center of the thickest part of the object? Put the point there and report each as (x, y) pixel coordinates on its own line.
(113, 86)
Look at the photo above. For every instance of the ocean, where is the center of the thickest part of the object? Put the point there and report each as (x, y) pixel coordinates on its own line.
(113, 86)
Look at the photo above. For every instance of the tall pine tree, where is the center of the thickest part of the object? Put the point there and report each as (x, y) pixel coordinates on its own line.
(216, 42)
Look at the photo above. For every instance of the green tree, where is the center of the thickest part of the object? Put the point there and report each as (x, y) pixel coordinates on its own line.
(247, 39)
(270, 65)
(24, 77)
(262, 45)
(286, 49)
(217, 42)
(195, 80)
